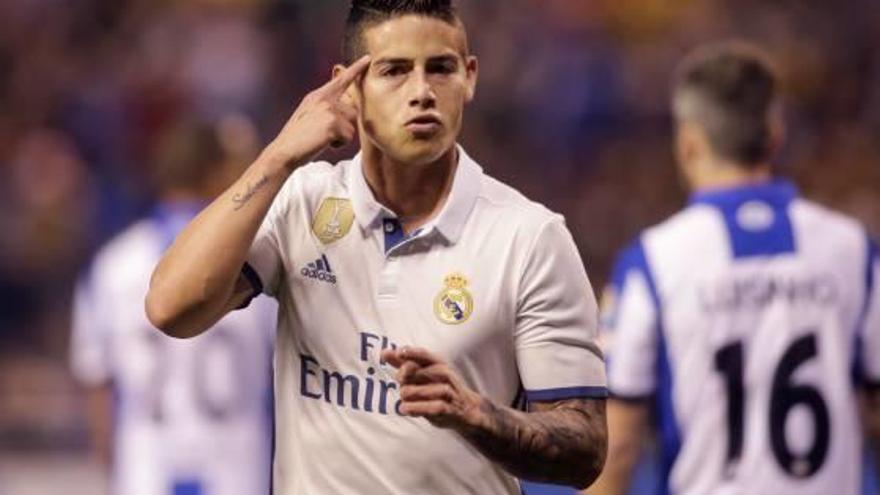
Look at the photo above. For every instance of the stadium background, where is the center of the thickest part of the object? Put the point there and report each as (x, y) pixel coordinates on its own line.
(571, 109)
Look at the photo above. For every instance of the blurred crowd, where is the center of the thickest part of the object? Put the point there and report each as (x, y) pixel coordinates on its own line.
(572, 109)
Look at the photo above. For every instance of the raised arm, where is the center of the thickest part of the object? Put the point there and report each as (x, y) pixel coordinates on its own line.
(199, 278)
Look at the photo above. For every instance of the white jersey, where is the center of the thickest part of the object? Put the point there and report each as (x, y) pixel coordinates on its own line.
(745, 316)
(493, 284)
(193, 417)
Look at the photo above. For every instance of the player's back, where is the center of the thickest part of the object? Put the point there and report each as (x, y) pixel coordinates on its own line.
(191, 416)
(757, 297)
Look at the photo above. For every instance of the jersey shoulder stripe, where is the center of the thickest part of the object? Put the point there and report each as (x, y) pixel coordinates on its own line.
(756, 219)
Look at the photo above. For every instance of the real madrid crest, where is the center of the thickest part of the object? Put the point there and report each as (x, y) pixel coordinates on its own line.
(454, 303)
(333, 220)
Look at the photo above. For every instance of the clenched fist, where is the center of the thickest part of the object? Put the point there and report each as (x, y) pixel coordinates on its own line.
(325, 117)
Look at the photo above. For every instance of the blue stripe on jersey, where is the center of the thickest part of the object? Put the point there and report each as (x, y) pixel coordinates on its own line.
(756, 217)
(552, 394)
(394, 234)
(532, 488)
(627, 260)
(670, 435)
(860, 377)
(631, 258)
(187, 487)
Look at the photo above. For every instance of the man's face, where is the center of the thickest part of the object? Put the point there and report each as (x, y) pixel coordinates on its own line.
(414, 93)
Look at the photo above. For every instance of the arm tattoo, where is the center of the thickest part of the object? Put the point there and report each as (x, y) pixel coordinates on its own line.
(562, 442)
(241, 198)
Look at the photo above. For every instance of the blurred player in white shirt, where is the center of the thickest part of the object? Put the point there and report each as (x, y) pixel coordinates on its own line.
(745, 326)
(421, 301)
(172, 417)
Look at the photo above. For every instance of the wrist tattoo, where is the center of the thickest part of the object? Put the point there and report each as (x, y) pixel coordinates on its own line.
(562, 442)
(241, 198)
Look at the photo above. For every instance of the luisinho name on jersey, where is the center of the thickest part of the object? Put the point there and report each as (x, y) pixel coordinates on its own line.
(743, 317)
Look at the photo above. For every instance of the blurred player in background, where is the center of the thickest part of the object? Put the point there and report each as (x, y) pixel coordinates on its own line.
(409, 257)
(172, 417)
(744, 316)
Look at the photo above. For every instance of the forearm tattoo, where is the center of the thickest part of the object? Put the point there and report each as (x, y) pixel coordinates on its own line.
(241, 198)
(563, 442)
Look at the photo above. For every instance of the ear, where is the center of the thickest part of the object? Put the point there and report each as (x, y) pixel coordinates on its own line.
(472, 71)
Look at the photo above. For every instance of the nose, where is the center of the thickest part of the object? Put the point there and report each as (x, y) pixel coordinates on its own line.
(422, 93)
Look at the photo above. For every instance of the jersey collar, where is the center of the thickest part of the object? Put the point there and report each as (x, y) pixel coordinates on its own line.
(773, 191)
(452, 217)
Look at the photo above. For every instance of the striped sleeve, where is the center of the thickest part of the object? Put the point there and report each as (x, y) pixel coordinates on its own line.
(630, 320)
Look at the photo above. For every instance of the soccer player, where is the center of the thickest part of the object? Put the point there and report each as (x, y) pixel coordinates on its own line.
(735, 325)
(420, 299)
(172, 417)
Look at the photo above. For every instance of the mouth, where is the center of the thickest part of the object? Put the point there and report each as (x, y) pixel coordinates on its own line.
(424, 125)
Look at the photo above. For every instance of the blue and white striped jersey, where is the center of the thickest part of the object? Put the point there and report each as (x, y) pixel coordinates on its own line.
(192, 416)
(749, 317)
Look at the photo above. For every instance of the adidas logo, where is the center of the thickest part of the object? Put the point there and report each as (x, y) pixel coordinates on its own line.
(319, 270)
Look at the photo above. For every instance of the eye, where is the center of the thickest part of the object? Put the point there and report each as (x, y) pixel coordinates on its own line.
(392, 71)
(442, 67)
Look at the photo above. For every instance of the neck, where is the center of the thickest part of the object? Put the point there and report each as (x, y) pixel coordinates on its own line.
(723, 175)
(416, 193)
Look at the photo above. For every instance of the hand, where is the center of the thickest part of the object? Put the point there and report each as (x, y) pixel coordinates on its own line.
(325, 117)
(430, 389)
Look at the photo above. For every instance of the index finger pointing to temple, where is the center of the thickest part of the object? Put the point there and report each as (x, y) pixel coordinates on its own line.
(341, 82)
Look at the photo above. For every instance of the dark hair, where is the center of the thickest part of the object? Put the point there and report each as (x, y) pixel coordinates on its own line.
(367, 13)
(729, 89)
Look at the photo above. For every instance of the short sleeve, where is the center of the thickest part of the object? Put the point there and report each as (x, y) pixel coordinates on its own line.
(556, 323)
(264, 264)
(90, 340)
(869, 321)
(630, 327)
